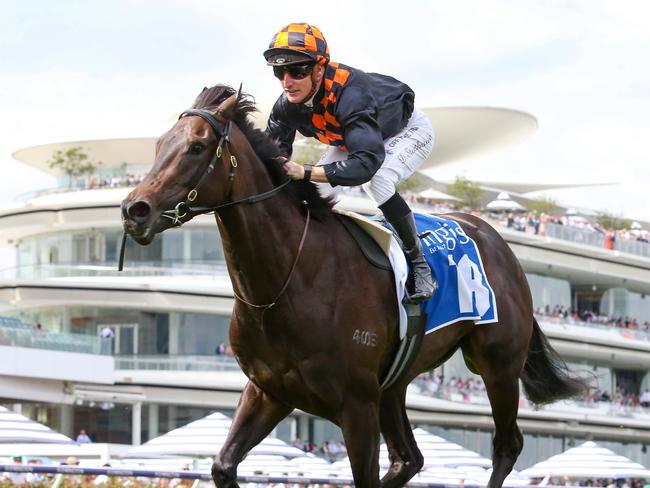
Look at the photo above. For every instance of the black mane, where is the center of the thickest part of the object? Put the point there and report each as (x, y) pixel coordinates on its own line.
(265, 148)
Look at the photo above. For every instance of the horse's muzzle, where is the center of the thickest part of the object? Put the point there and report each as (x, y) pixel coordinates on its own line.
(139, 211)
(137, 220)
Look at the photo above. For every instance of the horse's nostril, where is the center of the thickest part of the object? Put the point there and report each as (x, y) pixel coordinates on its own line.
(139, 211)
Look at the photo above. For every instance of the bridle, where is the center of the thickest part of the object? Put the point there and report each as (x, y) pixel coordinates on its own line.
(182, 209)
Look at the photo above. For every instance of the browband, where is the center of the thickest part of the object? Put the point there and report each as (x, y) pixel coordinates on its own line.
(219, 130)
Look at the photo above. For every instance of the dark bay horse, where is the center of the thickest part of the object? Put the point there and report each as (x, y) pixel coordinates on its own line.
(303, 288)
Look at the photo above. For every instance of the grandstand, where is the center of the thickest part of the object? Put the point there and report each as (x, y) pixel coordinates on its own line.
(167, 313)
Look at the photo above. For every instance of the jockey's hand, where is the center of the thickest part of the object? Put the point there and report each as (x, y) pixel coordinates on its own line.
(295, 171)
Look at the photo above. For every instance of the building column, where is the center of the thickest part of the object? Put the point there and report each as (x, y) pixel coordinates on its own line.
(174, 332)
(66, 421)
(154, 419)
(302, 427)
(136, 424)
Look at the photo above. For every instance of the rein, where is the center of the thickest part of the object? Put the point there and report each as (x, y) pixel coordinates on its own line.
(182, 209)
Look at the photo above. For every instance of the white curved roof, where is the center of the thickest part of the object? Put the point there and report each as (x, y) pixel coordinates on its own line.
(461, 132)
(464, 132)
(112, 153)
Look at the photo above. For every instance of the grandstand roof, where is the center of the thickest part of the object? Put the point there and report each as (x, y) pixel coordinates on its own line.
(461, 132)
(112, 153)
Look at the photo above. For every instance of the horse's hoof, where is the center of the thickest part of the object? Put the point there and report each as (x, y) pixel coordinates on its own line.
(224, 477)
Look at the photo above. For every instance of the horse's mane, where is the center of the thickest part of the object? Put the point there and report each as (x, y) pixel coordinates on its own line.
(265, 148)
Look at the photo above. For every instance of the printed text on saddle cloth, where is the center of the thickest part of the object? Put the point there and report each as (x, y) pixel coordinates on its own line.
(464, 293)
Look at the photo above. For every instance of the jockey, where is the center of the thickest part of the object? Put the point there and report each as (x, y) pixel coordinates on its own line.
(378, 139)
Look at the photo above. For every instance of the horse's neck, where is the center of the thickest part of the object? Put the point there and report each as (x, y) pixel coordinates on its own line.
(260, 240)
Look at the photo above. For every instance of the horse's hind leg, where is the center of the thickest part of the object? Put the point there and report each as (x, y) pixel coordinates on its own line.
(256, 416)
(405, 458)
(500, 364)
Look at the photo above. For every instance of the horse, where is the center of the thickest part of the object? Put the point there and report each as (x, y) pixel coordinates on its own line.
(302, 288)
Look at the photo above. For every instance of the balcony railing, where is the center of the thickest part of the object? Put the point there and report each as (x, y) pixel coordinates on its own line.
(18, 336)
(217, 269)
(574, 234)
(177, 363)
(624, 333)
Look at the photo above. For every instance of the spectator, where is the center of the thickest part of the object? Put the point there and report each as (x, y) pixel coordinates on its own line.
(220, 350)
(102, 479)
(645, 399)
(83, 438)
(71, 461)
(15, 478)
(33, 478)
(106, 334)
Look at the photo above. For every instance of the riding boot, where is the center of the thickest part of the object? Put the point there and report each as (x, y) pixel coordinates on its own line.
(423, 283)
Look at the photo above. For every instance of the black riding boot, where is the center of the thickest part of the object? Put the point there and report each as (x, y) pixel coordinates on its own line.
(423, 283)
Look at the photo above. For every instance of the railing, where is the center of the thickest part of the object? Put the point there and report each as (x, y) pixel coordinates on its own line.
(54, 341)
(574, 234)
(62, 471)
(624, 333)
(479, 397)
(216, 269)
(177, 363)
(639, 248)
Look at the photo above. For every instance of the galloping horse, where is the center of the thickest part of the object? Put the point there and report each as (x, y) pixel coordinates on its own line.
(302, 289)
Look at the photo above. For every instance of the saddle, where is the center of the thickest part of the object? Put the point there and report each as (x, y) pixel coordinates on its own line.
(374, 241)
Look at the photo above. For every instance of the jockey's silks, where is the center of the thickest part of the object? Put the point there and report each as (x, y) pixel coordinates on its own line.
(353, 110)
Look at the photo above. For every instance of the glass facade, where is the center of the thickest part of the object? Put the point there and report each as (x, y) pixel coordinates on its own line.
(619, 302)
(138, 332)
(66, 253)
(549, 291)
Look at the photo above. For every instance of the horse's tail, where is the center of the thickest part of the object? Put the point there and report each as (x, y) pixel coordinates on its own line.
(546, 377)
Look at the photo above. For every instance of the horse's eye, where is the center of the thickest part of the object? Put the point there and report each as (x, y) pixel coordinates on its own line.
(196, 148)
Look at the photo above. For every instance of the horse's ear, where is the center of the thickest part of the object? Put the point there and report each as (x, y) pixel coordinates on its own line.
(228, 106)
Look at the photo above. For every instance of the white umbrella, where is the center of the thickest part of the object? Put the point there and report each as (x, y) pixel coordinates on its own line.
(588, 460)
(437, 452)
(432, 194)
(17, 428)
(504, 203)
(204, 437)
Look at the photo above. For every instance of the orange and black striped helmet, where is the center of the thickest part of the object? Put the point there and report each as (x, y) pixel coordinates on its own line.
(297, 44)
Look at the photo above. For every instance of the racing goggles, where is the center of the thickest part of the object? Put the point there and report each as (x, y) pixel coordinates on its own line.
(296, 71)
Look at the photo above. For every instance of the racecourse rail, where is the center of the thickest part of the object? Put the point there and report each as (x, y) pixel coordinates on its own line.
(61, 471)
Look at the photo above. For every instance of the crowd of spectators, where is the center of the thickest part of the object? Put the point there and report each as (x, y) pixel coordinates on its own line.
(574, 316)
(532, 223)
(95, 181)
(331, 450)
(472, 390)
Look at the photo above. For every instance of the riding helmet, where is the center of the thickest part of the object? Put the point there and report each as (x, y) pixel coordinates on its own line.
(297, 43)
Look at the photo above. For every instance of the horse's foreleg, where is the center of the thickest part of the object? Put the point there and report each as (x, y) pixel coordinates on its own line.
(360, 425)
(406, 460)
(255, 417)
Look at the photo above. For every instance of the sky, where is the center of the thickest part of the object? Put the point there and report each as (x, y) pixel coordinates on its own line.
(89, 69)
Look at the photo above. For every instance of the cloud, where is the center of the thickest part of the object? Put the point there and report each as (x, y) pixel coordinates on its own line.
(123, 68)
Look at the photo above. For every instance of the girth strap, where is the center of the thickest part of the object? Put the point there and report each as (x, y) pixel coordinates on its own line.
(408, 347)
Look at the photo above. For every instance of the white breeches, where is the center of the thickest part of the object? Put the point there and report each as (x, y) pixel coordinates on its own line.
(405, 153)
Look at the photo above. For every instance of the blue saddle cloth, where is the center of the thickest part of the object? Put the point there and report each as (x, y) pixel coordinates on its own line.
(464, 292)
